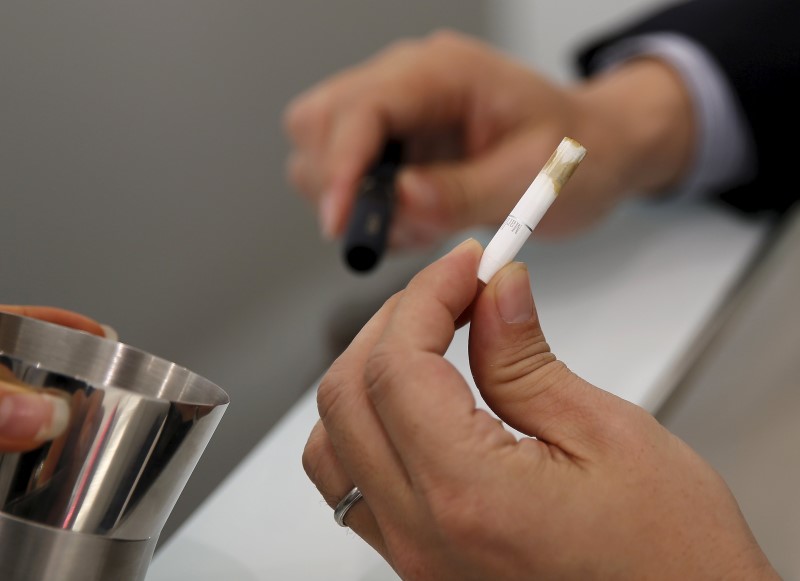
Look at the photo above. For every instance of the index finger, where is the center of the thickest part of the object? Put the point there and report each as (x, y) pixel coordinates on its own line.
(423, 402)
(57, 316)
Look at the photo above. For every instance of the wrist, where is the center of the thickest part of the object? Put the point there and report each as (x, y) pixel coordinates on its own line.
(641, 114)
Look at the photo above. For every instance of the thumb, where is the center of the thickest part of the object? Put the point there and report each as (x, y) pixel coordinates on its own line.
(520, 378)
(478, 190)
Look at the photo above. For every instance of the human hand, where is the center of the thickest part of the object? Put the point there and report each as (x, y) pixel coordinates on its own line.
(603, 491)
(29, 418)
(478, 127)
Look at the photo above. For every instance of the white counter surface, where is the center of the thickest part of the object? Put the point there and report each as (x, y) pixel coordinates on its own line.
(623, 306)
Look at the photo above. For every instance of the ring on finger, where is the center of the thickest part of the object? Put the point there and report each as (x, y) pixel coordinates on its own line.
(345, 505)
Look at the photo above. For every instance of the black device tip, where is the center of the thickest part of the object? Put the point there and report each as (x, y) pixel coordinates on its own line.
(361, 258)
(368, 230)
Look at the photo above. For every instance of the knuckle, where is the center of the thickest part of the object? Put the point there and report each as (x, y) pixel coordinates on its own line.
(379, 371)
(447, 38)
(391, 303)
(331, 391)
(305, 117)
(294, 117)
(400, 46)
(313, 454)
(320, 466)
(301, 177)
(526, 358)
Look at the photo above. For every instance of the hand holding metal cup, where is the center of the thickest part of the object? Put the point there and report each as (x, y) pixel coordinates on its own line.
(91, 503)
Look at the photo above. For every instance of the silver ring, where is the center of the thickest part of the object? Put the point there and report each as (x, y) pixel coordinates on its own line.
(346, 504)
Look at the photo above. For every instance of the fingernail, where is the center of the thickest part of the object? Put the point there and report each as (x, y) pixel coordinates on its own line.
(32, 416)
(466, 243)
(419, 191)
(513, 294)
(59, 419)
(109, 332)
(327, 216)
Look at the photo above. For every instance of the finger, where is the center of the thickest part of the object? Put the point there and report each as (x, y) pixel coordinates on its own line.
(480, 189)
(28, 418)
(306, 119)
(423, 401)
(425, 315)
(356, 434)
(58, 316)
(303, 176)
(353, 146)
(518, 376)
(337, 133)
(326, 472)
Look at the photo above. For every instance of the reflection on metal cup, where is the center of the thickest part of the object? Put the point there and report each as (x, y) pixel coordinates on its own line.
(91, 503)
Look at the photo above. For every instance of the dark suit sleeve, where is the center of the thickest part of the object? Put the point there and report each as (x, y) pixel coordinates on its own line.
(757, 45)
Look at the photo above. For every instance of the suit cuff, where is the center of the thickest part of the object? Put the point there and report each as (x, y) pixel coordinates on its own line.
(725, 155)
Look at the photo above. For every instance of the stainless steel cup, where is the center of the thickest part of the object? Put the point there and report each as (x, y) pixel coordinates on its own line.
(90, 504)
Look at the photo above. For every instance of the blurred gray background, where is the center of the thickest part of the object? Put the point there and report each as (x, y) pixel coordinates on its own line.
(142, 183)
